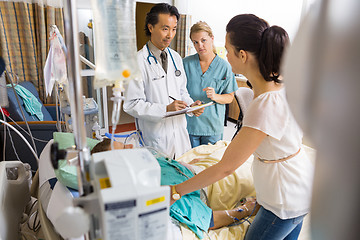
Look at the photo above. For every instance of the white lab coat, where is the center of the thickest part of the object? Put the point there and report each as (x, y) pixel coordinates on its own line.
(146, 100)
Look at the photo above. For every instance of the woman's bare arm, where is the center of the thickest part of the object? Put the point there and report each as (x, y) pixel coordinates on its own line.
(244, 144)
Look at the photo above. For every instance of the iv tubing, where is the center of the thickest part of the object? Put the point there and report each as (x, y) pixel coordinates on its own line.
(109, 135)
(23, 138)
(2, 112)
(117, 98)
(22, 112)
(22, 129)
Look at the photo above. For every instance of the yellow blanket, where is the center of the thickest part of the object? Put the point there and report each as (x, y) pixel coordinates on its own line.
(224, 194)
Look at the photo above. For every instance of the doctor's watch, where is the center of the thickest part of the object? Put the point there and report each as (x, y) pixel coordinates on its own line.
(174, 194)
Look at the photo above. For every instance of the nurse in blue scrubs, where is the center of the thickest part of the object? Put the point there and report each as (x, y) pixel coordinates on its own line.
(210, 78)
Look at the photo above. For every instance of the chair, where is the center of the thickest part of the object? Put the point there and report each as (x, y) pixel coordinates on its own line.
(243, 97)
(15, 148)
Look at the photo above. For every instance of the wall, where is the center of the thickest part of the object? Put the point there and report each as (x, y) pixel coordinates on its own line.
(141, 10)
(217, 14)
(156, 1)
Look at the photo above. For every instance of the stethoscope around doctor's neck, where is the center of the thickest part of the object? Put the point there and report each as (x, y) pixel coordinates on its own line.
(177, 71)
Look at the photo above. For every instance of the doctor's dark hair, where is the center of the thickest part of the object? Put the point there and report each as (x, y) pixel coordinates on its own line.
(152, 17)
(250, 33)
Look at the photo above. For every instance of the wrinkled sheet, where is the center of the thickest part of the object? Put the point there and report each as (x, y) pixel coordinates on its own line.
(224, 194)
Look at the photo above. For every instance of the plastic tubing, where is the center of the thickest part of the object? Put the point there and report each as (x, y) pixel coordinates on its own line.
(23, 138)
(117, 98)
(109, 135)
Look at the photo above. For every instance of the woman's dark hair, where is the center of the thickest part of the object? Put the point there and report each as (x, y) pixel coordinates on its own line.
(152, 17)
(250, 33)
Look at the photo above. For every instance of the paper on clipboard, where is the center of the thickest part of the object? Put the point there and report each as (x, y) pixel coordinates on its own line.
(188, 109)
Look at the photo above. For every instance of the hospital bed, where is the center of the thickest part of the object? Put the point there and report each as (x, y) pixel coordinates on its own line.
(225, 194)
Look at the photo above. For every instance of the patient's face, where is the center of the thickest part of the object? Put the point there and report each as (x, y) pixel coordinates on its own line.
(120, 145)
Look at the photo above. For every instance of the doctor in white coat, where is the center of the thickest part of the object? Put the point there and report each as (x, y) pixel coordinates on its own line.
(162, 87)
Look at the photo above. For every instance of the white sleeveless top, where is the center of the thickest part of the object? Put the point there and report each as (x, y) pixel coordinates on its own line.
(283, 188)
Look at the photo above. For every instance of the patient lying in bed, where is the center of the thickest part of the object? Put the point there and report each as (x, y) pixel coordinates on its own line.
(222, 195)
(190, 209)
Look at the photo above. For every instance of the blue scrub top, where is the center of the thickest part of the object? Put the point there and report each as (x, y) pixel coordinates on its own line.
(219, 75)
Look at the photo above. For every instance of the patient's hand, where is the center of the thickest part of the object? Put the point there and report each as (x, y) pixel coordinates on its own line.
(187, 165)
(195, 160)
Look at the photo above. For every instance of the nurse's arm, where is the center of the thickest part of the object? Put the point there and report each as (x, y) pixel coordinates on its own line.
(219, 98)
(240, 149)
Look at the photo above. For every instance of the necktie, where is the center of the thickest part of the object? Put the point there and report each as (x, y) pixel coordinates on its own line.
(164, 62)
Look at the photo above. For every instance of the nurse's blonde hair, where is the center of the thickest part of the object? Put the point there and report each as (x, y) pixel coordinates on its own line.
(202, 26)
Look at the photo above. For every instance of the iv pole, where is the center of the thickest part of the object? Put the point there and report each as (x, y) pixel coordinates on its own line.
(76, 92)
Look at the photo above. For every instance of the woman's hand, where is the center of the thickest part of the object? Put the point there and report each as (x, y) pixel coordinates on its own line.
(173, 194)
(210, 93)
(199, 111)
(225, 98)
(172, 201)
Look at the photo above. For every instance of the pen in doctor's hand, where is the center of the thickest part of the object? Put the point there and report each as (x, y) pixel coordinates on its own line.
(176, 105)
(176, 100)
(172, 98)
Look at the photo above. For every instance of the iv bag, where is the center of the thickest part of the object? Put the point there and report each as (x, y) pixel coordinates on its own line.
(115, 42)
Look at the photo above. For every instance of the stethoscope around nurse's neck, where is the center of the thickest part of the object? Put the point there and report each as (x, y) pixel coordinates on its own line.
(177, 71)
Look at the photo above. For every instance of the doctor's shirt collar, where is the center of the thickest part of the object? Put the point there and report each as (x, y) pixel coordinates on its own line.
(155, 51)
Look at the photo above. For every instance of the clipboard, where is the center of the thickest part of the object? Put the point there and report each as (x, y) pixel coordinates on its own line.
(188, 109)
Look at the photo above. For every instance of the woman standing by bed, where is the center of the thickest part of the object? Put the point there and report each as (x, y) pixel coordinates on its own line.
(209, 77)
(282, 171)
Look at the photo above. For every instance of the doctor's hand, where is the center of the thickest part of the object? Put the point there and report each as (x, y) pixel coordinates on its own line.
(199, 111)
(210, 93)
(176, 106)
